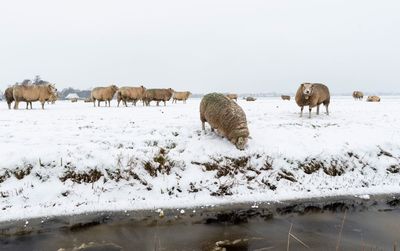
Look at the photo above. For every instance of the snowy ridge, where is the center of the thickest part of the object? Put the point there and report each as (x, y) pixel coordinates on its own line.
(74, 158)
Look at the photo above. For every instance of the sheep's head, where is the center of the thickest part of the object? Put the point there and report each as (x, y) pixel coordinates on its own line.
(114, 88)
(52, 89)
(307, 89)
(241, 143)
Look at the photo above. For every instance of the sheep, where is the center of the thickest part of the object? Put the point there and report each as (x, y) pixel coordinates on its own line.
(232, 96)
(285, 97)
(312, 95)
(31, 93)
(250, 99)
(157, 95)
(357, 95)
(133, 94)
(103, 94)
(183, 96)
(373, 99)
(226, 116)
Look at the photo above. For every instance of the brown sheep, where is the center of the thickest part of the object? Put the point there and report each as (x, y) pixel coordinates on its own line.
(312, 95)
(103, 94)
(373, 99)
(285, 97)
(10, 98)
(232, 96)
(357, 95)
(250, 99)
(157, 95)
(226, 116)
(182, 96)
(32, 93)
(133, 94)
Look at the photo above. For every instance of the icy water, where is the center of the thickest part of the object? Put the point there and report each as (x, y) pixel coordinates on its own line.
(366, 226)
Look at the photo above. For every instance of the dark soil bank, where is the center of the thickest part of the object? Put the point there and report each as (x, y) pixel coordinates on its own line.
(350, 223)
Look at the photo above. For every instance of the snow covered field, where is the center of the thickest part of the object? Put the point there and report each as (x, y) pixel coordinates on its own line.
(74, 158)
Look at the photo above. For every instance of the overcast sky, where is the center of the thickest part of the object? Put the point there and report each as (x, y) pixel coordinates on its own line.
(203, 46)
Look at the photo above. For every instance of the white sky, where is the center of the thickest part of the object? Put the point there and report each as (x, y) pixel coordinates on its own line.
(203, 46)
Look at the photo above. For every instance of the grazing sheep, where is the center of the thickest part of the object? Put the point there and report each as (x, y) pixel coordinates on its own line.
(312, 95)
(226, 116)
(250, 99)
(357, 95)
(32, 93)
(182, 96)
(232, 96)
(285, 97)
(157, 95)
(103, 94)
(133, 94)
(373, 99)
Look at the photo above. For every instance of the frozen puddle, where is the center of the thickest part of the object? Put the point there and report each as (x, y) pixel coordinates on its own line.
(353, 224)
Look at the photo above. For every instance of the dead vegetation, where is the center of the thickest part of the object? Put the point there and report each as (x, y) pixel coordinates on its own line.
(284, 174)
(19, 173)
(333, 167)
(160, 164)
(223, 190)
(91, 176)
(229, 166)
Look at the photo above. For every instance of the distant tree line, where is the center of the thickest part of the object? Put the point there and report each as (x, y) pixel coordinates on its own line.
(81, 93)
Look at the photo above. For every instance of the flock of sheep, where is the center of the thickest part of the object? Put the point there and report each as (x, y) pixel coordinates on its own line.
(134, 94)
(220, 111)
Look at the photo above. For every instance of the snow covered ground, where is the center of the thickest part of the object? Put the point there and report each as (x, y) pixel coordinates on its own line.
(74, 158)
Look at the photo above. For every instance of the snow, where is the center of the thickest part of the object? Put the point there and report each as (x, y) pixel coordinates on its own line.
(359, 139)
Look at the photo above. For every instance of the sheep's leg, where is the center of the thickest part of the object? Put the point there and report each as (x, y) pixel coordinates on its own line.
(30, 104)
(165, 103)
(16, 105)
(9, 105)
(27, 105)
(327, 110)
(309, 111)
(98, 103)
(318, 109)
(94, 102)
(203, 125)
(301, 111)
(42, 104)
(118, 101)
